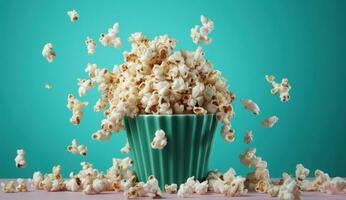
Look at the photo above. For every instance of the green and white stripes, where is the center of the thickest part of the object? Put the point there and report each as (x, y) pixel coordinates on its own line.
(186, 154)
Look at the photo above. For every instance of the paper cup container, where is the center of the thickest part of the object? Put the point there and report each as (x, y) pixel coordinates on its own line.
(189, 141)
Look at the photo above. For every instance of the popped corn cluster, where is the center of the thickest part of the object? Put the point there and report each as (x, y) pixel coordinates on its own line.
(156, 80)
(200, 33)
(91, 45)
(270, 122)
(251, 106)
(192, 186)
(111, 38)
(227, 183)
(76, 107)
(248, 137)
(282, 88)
(74, 148)
(48, 52)
(126, 148)
(20, 159)
(73, 14)
(160, 140)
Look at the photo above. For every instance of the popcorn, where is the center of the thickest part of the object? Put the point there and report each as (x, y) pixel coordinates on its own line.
(160, 140)
(37, 179)
(259, 179)
(77, 109)
(270, 122)
(8, 187)
(201, 188)
(301, 173)
(21, 187)
(273, 190)
(74, 148)
(248, 137)
(201, 33)
(334, 186)
(172, 188)
(151, 187)
(248, 157)
(48, 52)
(74, 183)
(91, 45)
(184, 191)
(20, 159)
(282, 88)
(84, 86)
(73, 14)
(250, 105)
(153, 79)
(289, 190)
(126, 148)
(320, 179)
(111, 38)
(48, 86)
(236, 188)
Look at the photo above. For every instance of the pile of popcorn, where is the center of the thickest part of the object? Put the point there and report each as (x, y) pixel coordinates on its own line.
(155, 79)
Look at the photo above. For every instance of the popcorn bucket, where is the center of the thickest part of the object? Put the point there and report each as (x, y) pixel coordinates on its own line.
(189, 141)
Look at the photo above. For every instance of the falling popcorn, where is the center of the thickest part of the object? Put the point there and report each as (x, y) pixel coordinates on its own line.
(77, 109)
(160, 140)
(111, 38)
(248, 137)
(91, 45)
(201, 33)
(74, 148)
(48, 86)
(270, 122)
(73, 14)
(48, 52)
(282, 88)
(250, 105)
(20, 159)
(126, 148)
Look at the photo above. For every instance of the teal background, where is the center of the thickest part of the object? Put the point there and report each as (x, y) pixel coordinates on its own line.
(301, 40)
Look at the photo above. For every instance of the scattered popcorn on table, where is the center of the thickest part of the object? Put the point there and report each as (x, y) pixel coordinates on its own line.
(334, 186)
(236, 188)
(111, 38)
(37, 179)
(21, 187)
(73, 184)
(200, 33)
(289, 190)
(74, 148)
(248, 137)
(77, 109)
(250, 105)
(73, 14)
(160, 140)
(151, 187)
(201, 188)
(270, 122)
(301, 173)
(8, 187)
(172, 188)
(48, 52)
(20, 159)
(48, 86)
(282, 88)
(91, 45)
(126, 148)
